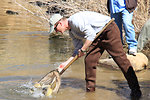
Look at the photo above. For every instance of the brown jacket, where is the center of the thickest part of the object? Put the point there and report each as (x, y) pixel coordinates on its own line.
(130, 5)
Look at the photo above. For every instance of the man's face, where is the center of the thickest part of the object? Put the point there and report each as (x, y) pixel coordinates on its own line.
(59, 27)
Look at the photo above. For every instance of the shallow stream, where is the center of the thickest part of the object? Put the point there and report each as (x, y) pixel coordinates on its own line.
(27, 54)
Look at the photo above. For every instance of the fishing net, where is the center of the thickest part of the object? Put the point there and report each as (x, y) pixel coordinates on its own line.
(51, 79)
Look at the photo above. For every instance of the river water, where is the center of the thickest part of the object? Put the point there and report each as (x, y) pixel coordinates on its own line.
(27, 54)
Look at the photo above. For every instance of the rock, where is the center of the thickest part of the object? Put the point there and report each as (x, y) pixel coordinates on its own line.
(53, 9)
(39, 3)
(11, 12)
(144, 37)
(146, 52)
(56, 9)
(139, 62)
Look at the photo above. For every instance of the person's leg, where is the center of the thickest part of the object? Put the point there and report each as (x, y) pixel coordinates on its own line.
(129, 31)
(144, 35)
(133, 83)
(91, 61)
(115, 49)
(118, 21)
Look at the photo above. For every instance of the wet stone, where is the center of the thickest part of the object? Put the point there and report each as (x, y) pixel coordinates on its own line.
(39, 3)
(139, 62)
(10, 12)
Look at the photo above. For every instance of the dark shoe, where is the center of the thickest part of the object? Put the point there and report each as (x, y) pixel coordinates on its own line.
(90, 89)
(135, 94)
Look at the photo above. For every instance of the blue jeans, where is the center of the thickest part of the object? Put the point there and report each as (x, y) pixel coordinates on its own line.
(125, 18)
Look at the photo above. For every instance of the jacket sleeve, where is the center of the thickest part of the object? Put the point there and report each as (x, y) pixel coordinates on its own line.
(78, 43)
(89, 33)
(131, 5)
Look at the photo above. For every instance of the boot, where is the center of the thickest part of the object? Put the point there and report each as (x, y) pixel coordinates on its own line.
(90, 86)
(133, 84)
(90, 89)
(90, 79)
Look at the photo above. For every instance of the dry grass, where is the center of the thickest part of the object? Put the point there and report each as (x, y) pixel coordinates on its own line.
(141, 14)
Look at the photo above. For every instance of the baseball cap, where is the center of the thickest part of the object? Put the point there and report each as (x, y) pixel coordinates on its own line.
(53, 20)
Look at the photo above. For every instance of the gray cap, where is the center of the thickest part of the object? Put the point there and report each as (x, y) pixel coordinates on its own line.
(53, 20)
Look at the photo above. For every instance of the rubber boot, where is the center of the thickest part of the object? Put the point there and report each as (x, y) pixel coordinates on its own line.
(90, 79)
(133, 84)
(90, 85)
(90, 89)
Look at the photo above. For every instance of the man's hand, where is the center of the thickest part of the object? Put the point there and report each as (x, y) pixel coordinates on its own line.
(81, 53)
(61, 66)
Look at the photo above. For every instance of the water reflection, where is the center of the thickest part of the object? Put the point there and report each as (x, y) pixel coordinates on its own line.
(60, 49)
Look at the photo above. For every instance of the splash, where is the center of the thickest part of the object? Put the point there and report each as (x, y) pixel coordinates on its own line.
(29, 89)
